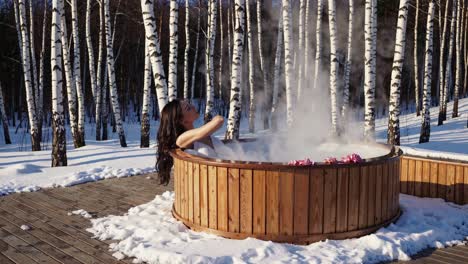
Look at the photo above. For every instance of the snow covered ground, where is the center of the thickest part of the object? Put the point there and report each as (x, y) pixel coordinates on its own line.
(148, 232)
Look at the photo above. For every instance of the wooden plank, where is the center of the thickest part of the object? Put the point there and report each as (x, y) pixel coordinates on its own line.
(459, 185)
(286, 206)
(259, 202)
(182, 187)
(465, 185)
(204, 195)
(5, 260)
(222, 199)
(233, 206)
(177, 186)
(342, 200)
(363, 197)
(353, 197)
(13, 254)
(442, 181)
(329, 201)
(385, 192)
(196, 194)
(272, 206)
(411, 176)
(450, 195)
(426, 179)
(246, 201)
(189, 172)
(301, 201)
(418, 179)
(391, 194)
(378, 194)
(212, 197)
(371, 198)
(434, 172)
(396, 171)
(404, 175)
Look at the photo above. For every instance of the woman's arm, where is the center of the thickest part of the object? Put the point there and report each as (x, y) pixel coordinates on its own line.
(188, 137)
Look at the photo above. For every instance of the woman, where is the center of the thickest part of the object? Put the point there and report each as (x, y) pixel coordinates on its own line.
(176, 130)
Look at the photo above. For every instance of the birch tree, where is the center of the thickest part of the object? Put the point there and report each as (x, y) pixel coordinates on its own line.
(369, 72)
(39, 106)
(59, 146)
(318, 43)
(276, 78)
(426, 118)
(173, 49)
(347, 70)
(77, 74)
(232, 131)
(145, 119)
(34, 130)
(300, 50)
(250, 43)
(395, 87)
(195, 57)
(458, 58)
(263, 65)
(288, 59)
(187, 49)
(333, 66)
(4, 118)
(101, 89)
(441, 82)
(209, 61)
(416, 61)
(466, 51)
(111, 75)
(33, 60)
(221, 40)
(149, 21)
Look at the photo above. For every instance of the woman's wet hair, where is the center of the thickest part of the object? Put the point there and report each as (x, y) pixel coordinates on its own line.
(170, 128)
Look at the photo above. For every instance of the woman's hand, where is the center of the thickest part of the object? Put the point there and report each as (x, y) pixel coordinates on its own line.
(188, 137)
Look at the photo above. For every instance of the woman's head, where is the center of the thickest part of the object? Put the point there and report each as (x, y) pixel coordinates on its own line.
(176, 117)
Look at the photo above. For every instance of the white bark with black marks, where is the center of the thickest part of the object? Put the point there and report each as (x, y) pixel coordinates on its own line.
(145, 118)
(250, 45)
(348, 63)
(195, 57)
(101, 105)
(33, 58)
(187, 49)
(441, 76)
(40, 94)
(369, 72)
(458, 62)
(277, 75)
(334, 66)
(318, 44)
(263, 66)
(416, 62)
(173, 49)
(300, 49)
(209, 60)
(288, 59)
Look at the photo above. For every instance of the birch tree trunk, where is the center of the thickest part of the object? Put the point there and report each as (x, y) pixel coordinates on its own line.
(300, 50)
(147, 7)
(288, 59)
(232, 131)
(173, 49)
(466, 51)
(40, 93)
(229, 19)
(59, 146)
(35, 139)
(395, 87)
(458, 62)
(71, 92)
(145, 119)
(195, 57)
(448, 68)
(250, 43)
(18, 29)
(426, 119)
(333, 67)
(318, 43)
(221, 40)
(369, 73)
(209, 52)
(416, 60)
(347, 70)
(187, 49)
(263, 66)
(33, 60)
(441, 82)
(4, 118)
(101, 90)
(77, 74)
(307, 44)
(276, 80)
(111, 74)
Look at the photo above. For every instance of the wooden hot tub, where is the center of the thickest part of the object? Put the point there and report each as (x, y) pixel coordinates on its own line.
(283, 203)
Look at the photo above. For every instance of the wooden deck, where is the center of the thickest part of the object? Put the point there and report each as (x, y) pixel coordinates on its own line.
(56, 237)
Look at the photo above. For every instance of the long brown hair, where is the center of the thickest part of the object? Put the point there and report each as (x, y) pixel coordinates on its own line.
(170, 128)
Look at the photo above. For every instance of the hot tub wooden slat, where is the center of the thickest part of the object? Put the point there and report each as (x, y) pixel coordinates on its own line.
(187, 190)
(411, 174)
(434, 173)
(465, 185)
(378, 194)
(353, 210)
(301, 201)
(442, 189)
(418, 178)
(176, 186)
(371, 199)
(196, 193)
(386, 195)
(245, 201)
(426, 178)
(396, 187)
(363, 198)
(342, 205)
(316, 201)
(404, 176)
(391, 205)
(204, 195)
(212, 197)
(233, 206)
(329, 201)
(272, 206)
(222, 199)
(459, 185)
(259, 201)
(189, 172)
(286, 202)
(450, 196)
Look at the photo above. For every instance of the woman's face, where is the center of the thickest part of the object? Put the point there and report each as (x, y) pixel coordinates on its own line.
(190, 114)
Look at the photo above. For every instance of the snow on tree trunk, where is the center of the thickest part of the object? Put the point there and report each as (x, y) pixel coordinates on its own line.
(369, 73)
(195, 58)
(71, 92)
(416, 65)
(77, 73)
(4, 118)
(101, 105)
(458, 63)
(59, 146)
(33, 59)
(145, 119)
(318, 43)
(288, 59)
(187, 49)
(147, 7)
(250, 45)
(448, 67)
(173, 49)
(276, 80)
(349, 55)
(40, 93)
(441, 76)
(395, 87)
(263, 66)
(111, 74)
(34, 130)
(232, 131)
(334, 66)
(92, 74)
(209, 52)
(426, 117)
